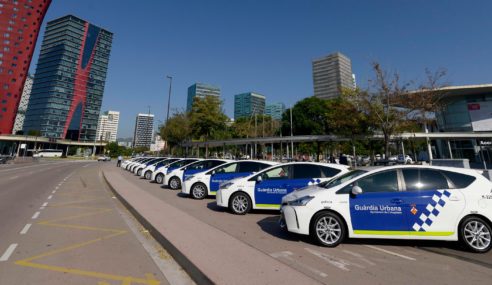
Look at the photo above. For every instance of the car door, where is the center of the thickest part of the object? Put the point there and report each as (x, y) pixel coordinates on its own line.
(379, 209)
(272, 187)
(434, 205)
(222, 174)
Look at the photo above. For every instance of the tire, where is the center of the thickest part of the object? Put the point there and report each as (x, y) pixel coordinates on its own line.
(159, 178)
(240, 203)
(174, 183)
(139, 172)
(328, 229)
(475, 234)
(148, 175)
(198, 191)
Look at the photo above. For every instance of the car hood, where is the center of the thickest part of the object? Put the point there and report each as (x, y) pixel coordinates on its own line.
(306, 191)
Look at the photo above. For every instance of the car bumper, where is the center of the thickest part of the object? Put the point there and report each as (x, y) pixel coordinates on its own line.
(222, 198)
(186, 186)
(294, 219)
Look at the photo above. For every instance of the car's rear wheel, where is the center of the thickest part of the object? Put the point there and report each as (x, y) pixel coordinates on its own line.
(148, 175)
(240, 203)
(328, 229)
(159, 178)
(174, 183)
(475, 234)
(198, 191)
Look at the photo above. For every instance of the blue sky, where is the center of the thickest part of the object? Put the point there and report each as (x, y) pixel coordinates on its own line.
(267, 46)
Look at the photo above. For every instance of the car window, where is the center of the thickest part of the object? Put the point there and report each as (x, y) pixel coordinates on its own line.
(277, 173)
(230, 168)
(302, 171)
(459, 180)
(250, 166)
(424, 179)
(213, 163)
(342, 179)
(386, 181)
(329, 171)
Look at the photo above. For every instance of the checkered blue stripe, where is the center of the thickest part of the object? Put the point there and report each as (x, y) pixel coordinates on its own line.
(432, 210)
(314, 181)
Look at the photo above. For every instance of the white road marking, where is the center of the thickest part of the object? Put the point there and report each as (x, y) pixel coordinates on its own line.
(53, 192)
(391, 253)
(56, 188)
(45, 204)
(41, 208)
(14, 177)
(288, 255)
(36, 215)
(335, 261)
(25, 229)
(49, 197)
(8, 252)
(359, 256)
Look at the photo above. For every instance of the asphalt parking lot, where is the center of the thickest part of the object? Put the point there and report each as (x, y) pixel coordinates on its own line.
(364, 261)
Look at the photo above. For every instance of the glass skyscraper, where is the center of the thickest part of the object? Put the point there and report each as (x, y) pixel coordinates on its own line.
(248, 104)
(275, 110)
(69, 81)
(200, 90)
(19, 28)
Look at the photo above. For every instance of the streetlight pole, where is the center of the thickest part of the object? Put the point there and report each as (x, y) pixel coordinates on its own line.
(169, 97)
(291, 135)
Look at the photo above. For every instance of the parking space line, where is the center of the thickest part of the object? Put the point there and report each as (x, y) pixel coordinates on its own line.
(25, 229)
(36, 215)
(8, 252)
(391, 252)
(45, 204)
(49, 197)
(53, 192)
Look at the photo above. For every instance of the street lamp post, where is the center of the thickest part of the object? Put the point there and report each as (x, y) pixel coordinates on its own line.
(169, 96)
(291, 135)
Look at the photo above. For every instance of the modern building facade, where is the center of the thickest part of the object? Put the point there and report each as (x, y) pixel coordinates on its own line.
(200, 90)
(275, 110)
(69, 82)
(20, 21)
(144, 130)
(24, 101)
(248, 104)
(107, 128)
(330, 74)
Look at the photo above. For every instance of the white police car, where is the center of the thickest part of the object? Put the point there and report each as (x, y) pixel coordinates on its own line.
(161, 172)
(199, 185)
(174, 178)
(147, 171)
(137, 170)
(265, 190)
(398, 202)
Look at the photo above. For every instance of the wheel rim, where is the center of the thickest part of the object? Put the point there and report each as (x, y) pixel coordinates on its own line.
(147, 175)
(174, 183)
(198, 191)
(477, 235)
(240, 204)
(328, 230)
(158, 179)
(139, 172)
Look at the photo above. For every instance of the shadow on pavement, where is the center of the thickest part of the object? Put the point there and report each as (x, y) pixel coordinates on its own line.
(270, 225)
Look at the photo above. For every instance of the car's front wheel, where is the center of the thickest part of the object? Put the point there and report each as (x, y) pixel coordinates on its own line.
(148, 175)
(159, 179)
(240, 203)
(328, 229)
(198, 191)
(475, 234)
(174, 183)
(139, 172)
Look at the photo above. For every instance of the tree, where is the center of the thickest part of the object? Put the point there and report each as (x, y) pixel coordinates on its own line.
(308, 118)
(207, 119)
(177, 129)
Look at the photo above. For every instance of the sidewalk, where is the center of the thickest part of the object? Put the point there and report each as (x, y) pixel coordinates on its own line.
(206, 253)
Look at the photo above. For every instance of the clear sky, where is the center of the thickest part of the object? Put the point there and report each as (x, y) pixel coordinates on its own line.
(266, 46)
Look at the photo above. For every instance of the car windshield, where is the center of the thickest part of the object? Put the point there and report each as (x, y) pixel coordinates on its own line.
(341, 179)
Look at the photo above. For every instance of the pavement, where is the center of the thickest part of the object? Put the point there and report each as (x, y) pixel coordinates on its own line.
(60, 224)
(252, 249)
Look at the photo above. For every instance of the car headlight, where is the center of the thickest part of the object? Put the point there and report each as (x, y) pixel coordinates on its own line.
(189, 177)
(300, 201)
(226, 185)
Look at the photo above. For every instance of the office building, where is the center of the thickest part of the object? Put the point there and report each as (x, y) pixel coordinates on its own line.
(248, 104)
(20, 21)
(330, 74)
(107, 129)
(144, 130)
(200, 90)
(275, 110)
(21, 111)
(69, 82)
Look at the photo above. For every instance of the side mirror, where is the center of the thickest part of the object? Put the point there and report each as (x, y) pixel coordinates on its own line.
(356, 190)
(259, 178)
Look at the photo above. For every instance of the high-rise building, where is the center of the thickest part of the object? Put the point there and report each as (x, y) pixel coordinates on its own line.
(107, 129)
(20, 21)
(69, 82)
(248, 104)
(330, 74)
(21, 111)
(275, 110)
(144, 130)
(200, 90)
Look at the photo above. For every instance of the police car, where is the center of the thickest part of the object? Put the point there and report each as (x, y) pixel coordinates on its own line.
(398, 202)
(147, 171)
(161, 172)
(174, 178)
(126, 163)
(137, 170)
(199, 185)
(134, 164)
(264, 190)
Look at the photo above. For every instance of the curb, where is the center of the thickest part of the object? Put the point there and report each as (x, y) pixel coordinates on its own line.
(193, 271)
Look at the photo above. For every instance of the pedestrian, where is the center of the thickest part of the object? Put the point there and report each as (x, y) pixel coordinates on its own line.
(120, 158)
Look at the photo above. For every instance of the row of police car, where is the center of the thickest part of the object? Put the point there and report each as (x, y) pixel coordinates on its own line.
(331, 202)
